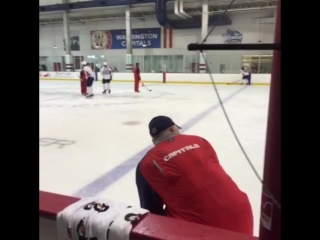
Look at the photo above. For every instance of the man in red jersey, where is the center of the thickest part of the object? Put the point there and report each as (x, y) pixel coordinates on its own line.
(83, 81)
(183, 173)
(137, 78)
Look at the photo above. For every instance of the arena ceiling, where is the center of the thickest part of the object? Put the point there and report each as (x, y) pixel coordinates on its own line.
(145, 11)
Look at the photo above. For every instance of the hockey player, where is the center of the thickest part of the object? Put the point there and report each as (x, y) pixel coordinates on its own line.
(90, 78)
(83, 82)
(246, 76)
(106, 73)
(137, 78)
(183, 173)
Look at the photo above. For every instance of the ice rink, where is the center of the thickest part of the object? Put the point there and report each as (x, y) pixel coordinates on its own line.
(90, 147)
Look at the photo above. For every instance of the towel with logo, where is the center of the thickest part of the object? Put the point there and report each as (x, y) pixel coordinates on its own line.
(97, 219)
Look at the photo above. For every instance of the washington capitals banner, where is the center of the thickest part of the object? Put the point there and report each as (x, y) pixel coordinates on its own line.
(116, 39)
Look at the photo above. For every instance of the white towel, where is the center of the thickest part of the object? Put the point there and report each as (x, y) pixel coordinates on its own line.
(97, 219)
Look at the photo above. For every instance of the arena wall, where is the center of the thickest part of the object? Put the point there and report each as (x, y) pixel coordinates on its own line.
(151, 227)
(244, 22)
(186, 78)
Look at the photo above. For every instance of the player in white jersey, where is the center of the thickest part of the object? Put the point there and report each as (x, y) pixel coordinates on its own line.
(245, 75)
(90, 78)
(106, 73)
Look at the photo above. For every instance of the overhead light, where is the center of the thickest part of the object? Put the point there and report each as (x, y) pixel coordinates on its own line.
(55, 47)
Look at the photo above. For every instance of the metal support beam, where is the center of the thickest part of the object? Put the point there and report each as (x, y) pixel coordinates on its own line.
(233, 47)
(129, 58)
(191, 8)
(66, 32)
(91, 4)
(204, 33)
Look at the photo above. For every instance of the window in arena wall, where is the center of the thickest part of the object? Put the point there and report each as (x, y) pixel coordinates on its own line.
(265, 64)
(77, 62)
(160, 63)
(257, 63)
(178, 64)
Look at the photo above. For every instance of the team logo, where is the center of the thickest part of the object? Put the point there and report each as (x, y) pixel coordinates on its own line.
(98, 207)
(81, 232)
(154, 130)
(132, 217)
(232, 36)
(101, 40)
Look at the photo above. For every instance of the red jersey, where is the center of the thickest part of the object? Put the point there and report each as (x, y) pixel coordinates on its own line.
(83, 75)
(184, 174)
(136, 73)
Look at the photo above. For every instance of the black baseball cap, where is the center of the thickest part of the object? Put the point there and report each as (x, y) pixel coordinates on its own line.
(159, 124)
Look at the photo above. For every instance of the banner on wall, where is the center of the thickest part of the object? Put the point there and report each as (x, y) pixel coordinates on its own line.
(74, 41)
(232, 36)
(116, 39)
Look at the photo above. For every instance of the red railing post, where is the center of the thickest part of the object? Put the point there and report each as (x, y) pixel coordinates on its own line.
(270, 213)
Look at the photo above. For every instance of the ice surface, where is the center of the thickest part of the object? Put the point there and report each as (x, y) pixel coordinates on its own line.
(86, 150)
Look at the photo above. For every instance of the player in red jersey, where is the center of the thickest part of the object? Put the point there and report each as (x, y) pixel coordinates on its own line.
(83, 81)
(137, 78)
(183, 173)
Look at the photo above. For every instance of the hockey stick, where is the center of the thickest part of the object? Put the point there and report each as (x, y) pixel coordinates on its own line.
(146, 87)
(234, 82)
